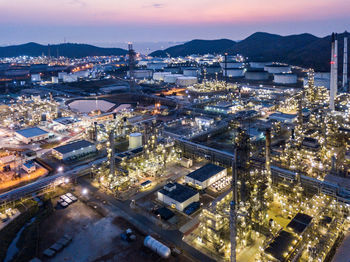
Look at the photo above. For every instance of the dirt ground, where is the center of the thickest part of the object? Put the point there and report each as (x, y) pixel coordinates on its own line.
(70, 221)
(135, 251)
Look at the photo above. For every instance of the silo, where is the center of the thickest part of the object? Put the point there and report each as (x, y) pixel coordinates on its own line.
(135, 140)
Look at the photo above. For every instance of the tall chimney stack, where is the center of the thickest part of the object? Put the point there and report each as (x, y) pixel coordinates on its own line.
(345, 64)
(336, 65)
(331, 89)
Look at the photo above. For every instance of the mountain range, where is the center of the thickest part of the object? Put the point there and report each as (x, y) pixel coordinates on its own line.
(68, 50)
(304, 50)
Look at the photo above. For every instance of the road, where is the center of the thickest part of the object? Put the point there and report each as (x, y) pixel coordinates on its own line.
(145, 224)
(43, 183)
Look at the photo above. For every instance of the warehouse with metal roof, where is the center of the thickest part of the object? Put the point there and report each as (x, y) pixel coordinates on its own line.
(32, 134)
(74, 150)
(177, 196)
(205, 176)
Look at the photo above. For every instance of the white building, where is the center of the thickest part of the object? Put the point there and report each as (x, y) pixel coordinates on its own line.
(205, 176)
(177, 196)
(74, 150)
(32, 134)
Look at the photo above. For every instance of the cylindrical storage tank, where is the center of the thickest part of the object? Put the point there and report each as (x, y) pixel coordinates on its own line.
(161, 249)
(54, 80)
(257, 74)
(277, 68)
(191, 72)
(171, 79)
(231, 64)
(233, 72)
(285, 78)
(325, 82)
(186, 80)
(258, 64)
(326, 75)
(172, 70)
(135, 140)
(159, 76)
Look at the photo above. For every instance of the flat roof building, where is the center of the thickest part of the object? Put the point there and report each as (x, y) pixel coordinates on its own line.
(32, 134)
(205, 176)
(74, 150)
(177, 196)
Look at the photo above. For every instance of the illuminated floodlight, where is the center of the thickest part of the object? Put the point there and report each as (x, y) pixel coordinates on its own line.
(66, 180)
(84, 191)
(60, 169)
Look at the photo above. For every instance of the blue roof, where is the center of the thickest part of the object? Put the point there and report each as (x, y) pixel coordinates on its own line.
(31, 132)
(205, 172)
(29, 164)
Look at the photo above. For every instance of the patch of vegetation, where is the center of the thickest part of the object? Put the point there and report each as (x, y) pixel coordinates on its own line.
(29, 241)
(8, 233)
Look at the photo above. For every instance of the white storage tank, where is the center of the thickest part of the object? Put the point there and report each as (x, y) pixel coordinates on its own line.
(258, 74)
(191, 72)
(159, 76)
(233, 72)
(61, 75)
(231, 64)
(36, 77)
(161, 249)
(156, 65)
(135, 140)
(186, 80)
(171, 78)
(258, 64)
(141, 74)
(285, 78)
(54, 80)
(277, 68)
(321, 79)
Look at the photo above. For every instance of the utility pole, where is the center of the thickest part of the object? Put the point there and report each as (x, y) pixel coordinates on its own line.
(233, 208)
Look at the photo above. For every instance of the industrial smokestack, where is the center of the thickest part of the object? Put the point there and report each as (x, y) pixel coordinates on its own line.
(336, 66)
(331, 89)
(345, 63)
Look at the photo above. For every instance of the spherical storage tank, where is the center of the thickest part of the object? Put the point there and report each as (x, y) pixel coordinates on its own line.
(186, 80)
(256, 74)
(171, 78)
(161, 249)
(285, 78)
(277, 68)
(135, 140)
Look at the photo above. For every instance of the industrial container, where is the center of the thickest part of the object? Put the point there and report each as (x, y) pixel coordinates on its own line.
(161, 249)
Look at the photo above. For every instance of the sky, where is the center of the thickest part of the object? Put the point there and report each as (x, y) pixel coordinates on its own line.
(115, 22)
